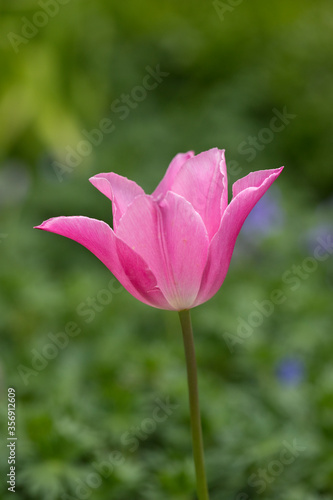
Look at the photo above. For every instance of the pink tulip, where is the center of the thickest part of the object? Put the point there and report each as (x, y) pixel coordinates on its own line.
(170, 249)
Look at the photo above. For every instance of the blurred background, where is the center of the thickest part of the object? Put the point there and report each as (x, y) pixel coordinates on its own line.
(100, 380)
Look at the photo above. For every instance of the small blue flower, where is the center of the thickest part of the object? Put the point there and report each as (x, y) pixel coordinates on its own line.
(290, 371)
(266, 217)
(321, 231)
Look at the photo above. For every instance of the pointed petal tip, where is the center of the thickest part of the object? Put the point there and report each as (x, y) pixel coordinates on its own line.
(50, 224)
(279, 169)
(269, 172)
(275, 172)
(103, 177)
(42, 225)
(96, 178)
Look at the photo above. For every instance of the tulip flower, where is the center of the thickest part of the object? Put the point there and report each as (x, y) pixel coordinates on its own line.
(172, 249)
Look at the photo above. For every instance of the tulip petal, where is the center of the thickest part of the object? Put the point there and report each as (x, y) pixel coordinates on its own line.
(98, 237)
(169, 177)
(172, 238)
(186, 247)
(120, 190)
(247, 192)
(252, 180)
(202, 181)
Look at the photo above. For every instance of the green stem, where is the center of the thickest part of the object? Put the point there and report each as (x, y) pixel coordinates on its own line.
(192, 378)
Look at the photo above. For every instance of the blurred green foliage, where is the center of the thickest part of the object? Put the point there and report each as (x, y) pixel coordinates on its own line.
(90, 398)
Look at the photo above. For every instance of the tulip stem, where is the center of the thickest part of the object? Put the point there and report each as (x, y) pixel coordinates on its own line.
(192, 378)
